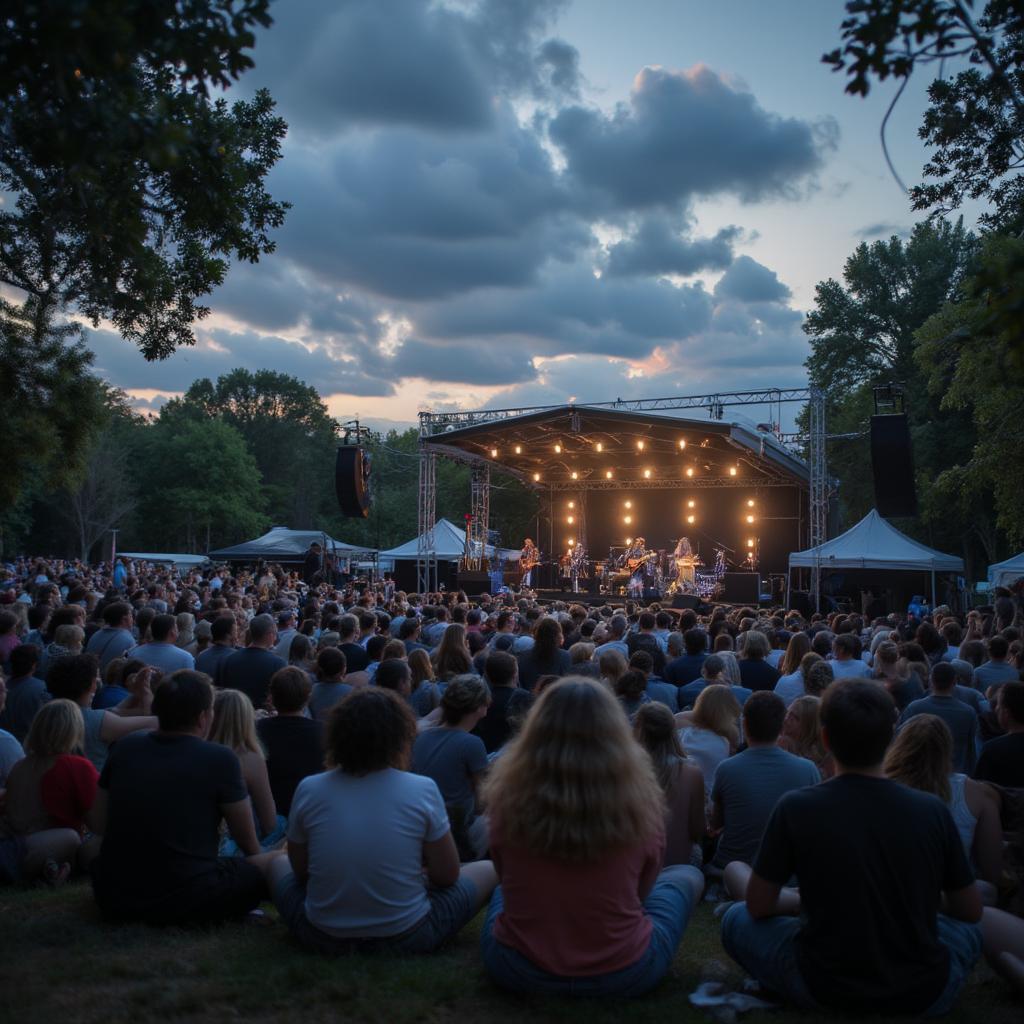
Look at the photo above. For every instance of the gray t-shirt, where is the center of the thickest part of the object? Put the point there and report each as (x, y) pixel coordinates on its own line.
(451, 758)
(109, 644)
(325, 696)
(747, 787)
(365, 836)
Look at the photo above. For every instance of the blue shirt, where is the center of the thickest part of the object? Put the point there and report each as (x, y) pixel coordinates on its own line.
(962, 722)
(663, 692)
(685, 669)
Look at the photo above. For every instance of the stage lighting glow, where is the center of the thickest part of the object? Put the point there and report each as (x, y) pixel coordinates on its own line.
(629, 540)
(572, 543)
(519, 449)
(689, 472)
(750, 519)
(682, 443)
(750, 503)
(639, 446)
(536, 477)
(571, 520)
(691, 504)
(608, 475)
(599, 447)
(691, 519)
(732, 471)
(647, 474)
(629, 504)
(750, 542)
(494, 453)
(558, 449)
(575, 475)
(627, 520)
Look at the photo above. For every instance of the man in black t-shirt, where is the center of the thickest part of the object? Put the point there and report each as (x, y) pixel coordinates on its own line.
(509, 701)
(1002, 758)
(160, 802)
(871, 858)
(251, 669)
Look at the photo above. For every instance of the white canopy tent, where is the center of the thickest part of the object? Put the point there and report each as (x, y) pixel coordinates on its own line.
(181, 562)
(280, 544)
(449, 546)
(1005, 574)
(875, 543)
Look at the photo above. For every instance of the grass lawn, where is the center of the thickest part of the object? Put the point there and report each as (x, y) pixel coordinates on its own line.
(59, 963)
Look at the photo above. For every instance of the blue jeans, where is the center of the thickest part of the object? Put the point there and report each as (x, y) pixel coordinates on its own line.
(668, 907)
(450, 909)
(766, 950)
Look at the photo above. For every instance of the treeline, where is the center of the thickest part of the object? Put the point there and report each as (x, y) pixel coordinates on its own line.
(220, 465)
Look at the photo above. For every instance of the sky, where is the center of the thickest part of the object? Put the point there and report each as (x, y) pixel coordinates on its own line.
(500, 203)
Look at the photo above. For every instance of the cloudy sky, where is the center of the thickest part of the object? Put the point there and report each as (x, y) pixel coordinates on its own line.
(507, 202)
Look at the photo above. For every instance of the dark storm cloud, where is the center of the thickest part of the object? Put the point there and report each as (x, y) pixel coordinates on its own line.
(120, 362)
(337, 63)
(686, 134)
(484, 363)
(749, 281)
(658, 247)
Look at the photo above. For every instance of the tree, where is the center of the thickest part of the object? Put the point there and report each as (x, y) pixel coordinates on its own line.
(131, 188)
(106, 493)
(288, 431)
(199, 485)
(50, 402)
(969, 367)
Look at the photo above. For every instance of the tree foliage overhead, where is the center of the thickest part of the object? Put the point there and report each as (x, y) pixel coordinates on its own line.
(132, 188)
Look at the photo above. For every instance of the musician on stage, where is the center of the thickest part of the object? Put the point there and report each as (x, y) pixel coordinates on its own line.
(528, 559)
(636, 563)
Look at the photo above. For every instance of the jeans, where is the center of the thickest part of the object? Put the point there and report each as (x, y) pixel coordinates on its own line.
(668, 907)
(450, 909)
(766, 950)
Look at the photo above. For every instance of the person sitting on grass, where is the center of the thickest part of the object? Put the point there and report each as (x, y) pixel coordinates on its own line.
(801, 734)
(371, 863)
(872, 858)
(710, 732)
(683, 784)
(161, 798)
(330, 687)
(577, 836)
(293, 742)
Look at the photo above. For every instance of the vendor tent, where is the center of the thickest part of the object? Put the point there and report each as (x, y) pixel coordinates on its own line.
(875, 543)
(449, 546)
(283, 545)
(180, 561)
(1005, 574)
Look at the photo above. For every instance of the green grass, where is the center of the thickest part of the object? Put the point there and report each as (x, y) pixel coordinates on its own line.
(59, 963)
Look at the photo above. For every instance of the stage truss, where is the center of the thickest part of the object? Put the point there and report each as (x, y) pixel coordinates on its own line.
(434, 424)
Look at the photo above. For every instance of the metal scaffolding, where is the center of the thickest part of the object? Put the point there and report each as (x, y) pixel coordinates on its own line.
(433, 426)
(480, 510)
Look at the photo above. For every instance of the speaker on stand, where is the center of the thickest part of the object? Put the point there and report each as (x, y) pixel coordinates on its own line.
(352, 481)
(892, 455)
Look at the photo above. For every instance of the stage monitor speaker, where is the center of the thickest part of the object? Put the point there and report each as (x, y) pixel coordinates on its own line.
(651, 594)
(473, 583)
(742, 588)
(685, 601)
(892, 465)
(352, 481)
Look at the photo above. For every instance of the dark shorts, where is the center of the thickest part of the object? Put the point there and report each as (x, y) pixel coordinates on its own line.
(450, 910)
(230, 889)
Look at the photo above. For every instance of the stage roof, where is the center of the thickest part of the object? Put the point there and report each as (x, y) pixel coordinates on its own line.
(639, 449)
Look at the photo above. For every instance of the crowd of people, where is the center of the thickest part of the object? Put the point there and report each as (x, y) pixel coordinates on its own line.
(383, 766)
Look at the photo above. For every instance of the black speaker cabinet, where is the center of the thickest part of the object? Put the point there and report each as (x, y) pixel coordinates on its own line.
(352, 481)
(685, 601)
(473, 583)
(892, 466)
(741, 588)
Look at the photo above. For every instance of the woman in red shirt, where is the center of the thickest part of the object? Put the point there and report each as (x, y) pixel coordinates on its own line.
(577, 838)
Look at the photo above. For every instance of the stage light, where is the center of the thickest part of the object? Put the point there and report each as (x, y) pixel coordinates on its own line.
(647, 474)
(575, 475)
(558, 449)
(629, 504)
(571, 520)
(627, 520)
(572, 543)
(750, 503)
(750, 542)
(691, 504)
(494, 453)
(732, 471)
(689, 472)
(572, 504)
(682, 443)
(536, 477)
(599, 447)
(519, 449)
(629, 540)
(608, 475)
(691, 519)
(639, 446)
(750, 519)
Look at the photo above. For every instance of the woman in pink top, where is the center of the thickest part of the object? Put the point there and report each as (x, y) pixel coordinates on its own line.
(577, 838)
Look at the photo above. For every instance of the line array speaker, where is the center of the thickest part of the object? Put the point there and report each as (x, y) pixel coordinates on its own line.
(892, 465)
(352, 481)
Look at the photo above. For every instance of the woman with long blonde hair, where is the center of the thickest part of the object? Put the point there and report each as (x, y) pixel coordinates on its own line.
(654, 727)
(801, 734)
(452, 657)
(577, 837)
(921, 757)
(710, 732)
(425, 696)
(234, 727)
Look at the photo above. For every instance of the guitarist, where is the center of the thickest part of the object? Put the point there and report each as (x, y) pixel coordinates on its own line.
(528, 559)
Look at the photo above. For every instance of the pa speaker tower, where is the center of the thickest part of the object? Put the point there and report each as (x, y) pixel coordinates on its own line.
(352, 481)
(892, 465)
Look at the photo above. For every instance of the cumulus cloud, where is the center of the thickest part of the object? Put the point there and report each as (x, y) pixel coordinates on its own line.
(658, 247)
(686, 134)
(749, 281)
